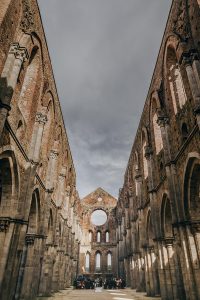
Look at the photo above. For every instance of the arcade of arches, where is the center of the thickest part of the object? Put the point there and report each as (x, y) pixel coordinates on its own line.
(151, 234)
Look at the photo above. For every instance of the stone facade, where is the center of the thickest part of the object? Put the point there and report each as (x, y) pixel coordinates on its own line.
(39, 204)
(98, 240)
(158, 211)
(152, 233)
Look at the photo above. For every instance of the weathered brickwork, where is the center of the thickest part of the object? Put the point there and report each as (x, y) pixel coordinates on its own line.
(152, 233)
(39, 204)
(158, 210)
(98, 240)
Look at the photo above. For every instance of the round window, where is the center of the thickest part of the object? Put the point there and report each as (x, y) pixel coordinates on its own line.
(99, 217)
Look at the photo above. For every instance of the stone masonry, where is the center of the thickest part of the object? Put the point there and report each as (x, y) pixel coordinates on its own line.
(98, 240)
(158, 210)
(152, 232)
(39, 222)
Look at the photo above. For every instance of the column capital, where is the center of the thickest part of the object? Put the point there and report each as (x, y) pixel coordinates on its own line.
(53, 154)
(62, 177)
(169, 241)
(40, 118)
(22, 54)
(4, 225)
(162, 120)
(29, 239)
(19, 52)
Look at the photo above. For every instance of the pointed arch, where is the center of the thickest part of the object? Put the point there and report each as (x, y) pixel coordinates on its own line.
(98, 257)
(29, 91)
(109, 261)
(145, 143)
(9, 182)
(166, 217)
(87, 261)
(173, 74)
(34, 213)
(107, 236)
(98, 236)
(191, 189)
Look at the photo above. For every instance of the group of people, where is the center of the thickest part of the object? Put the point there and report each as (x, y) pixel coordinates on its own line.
(114, 283)
(83, 282)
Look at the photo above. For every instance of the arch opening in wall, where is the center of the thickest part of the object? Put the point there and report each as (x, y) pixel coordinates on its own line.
(98, 236)
(192, 190)
(29, 87)
(34, 217)
(175, 80)
(109, 261)
(157, 134)
(48, 127)
(98, 217)
(145, 164)
(107, 237)
(5, 181)
(9, 181)
(166, 218)
(87, 262)
(98, 261)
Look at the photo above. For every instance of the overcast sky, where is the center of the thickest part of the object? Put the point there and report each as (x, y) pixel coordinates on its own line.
(103, 54)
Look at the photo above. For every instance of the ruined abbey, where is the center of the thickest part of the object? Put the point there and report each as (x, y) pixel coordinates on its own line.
(151, 234)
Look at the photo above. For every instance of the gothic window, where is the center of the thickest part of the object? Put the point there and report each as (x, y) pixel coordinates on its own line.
(157, 134)
(145, 165)
(107, 237)
(194, 204)
(28, 92)
(176, 85)
(6, 182)
(33, 220)
(98, 236)
(87, 262)
(98, 261)
(136, 188)
(167, 218)
(109, 261)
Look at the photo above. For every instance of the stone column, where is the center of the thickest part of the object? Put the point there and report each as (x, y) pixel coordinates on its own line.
(40, 121)
(51, 169)
(147, 271)
(154, 263)
(61, 187)
(173, 181)
(172, 268)
(6, 232)
(162, 275)
(195, 229)
(150, 278)
(16, 56)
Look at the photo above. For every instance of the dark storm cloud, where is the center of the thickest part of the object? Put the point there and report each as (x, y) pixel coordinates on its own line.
(103, 54)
